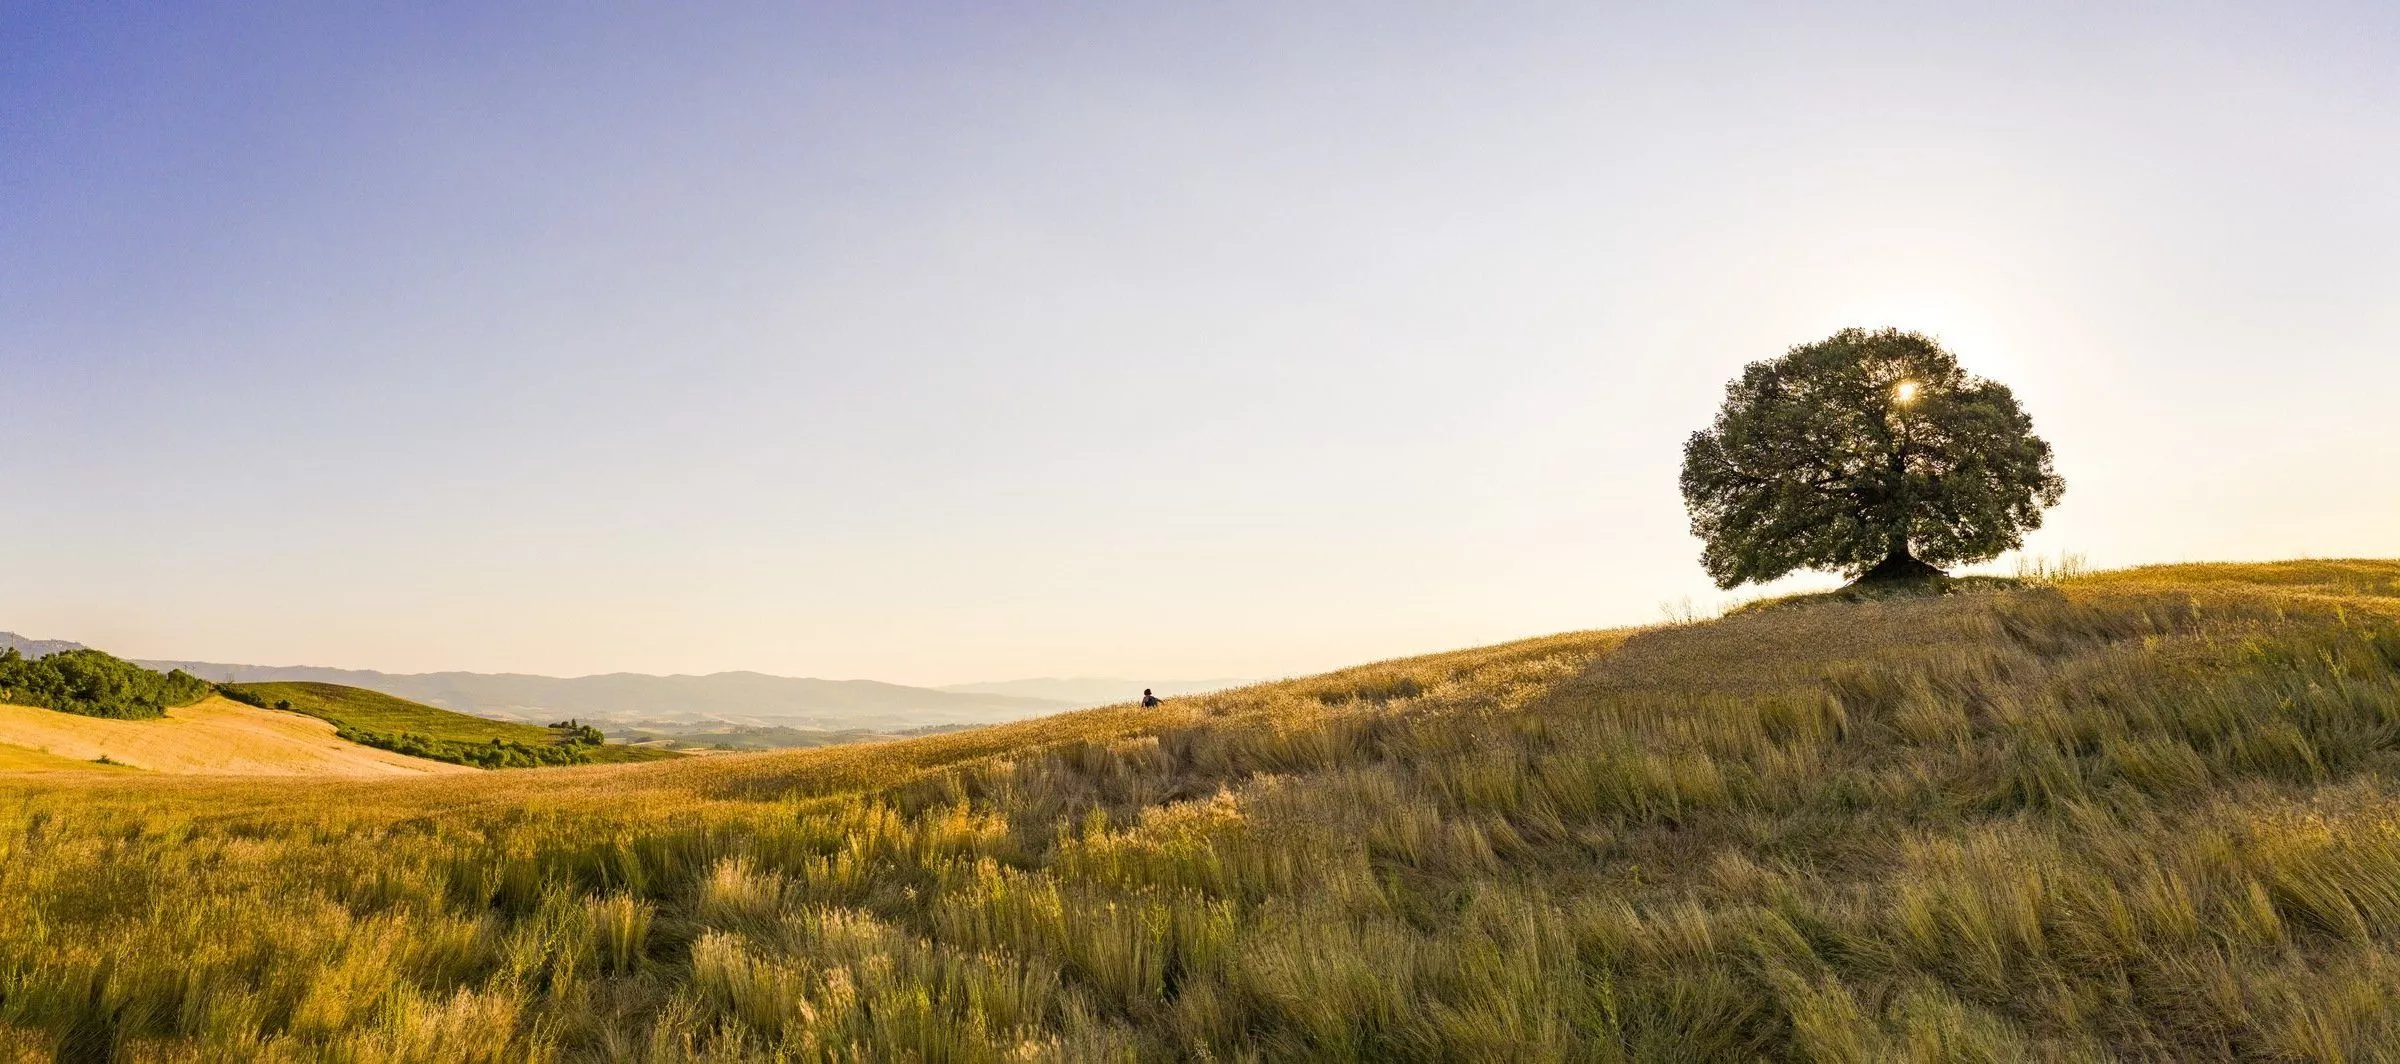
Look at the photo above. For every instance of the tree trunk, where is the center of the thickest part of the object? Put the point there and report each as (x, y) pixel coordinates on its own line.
(1900, 566)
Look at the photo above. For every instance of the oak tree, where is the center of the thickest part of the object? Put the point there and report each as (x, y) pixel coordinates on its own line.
(1870, 453)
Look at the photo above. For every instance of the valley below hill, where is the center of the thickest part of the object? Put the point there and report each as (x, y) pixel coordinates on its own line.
(739, 710)
(743, 698)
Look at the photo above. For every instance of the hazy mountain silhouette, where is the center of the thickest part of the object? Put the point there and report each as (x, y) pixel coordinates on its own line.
(34, 648)
(740, 697)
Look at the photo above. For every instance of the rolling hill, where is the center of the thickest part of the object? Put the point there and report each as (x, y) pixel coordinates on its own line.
(740, 698)
(2144, 815)
(821, 710)
(750, 698)
(216, 736)
(82, 709)
(376, 719)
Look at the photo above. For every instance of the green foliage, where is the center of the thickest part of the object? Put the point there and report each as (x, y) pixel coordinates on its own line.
(577, 733)
(94, 684)
(491, 753)
(2129, 816)
(372, 718)
(1858, 450)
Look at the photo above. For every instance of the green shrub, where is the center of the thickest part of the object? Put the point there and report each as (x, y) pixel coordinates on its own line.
(493, 753)
(577, 733)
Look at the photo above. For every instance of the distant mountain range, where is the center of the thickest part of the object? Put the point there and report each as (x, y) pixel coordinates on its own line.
(627, 698)
(744, 698)
(34, 648)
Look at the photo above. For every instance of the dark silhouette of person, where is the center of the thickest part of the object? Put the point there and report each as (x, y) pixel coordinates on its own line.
(1148, 699)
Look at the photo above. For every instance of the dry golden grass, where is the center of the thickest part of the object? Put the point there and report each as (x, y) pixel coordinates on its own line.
(215, 736)
(2131, 816)
(21, 759)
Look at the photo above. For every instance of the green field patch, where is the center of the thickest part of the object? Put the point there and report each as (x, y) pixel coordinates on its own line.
(20, 759)
(371, 718)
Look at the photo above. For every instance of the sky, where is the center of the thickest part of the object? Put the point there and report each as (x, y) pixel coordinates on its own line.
(941, 343)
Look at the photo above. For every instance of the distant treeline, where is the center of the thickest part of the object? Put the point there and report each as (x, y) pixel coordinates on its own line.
(95, 684)
(498, 753)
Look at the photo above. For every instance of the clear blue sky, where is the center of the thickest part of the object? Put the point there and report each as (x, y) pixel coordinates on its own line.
(938, 343)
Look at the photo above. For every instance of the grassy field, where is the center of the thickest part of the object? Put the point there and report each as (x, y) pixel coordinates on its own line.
(15, 758)
(2142, 816)
(375, 713)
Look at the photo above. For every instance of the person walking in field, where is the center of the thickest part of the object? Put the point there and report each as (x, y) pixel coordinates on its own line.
(1148, 700)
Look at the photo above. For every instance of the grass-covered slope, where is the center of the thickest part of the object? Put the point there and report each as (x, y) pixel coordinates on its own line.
(215, 736)
(14, 758)
(2137, 816)
(397, 724)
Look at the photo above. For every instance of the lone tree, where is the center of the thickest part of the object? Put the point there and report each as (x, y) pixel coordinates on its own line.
(1871, 453)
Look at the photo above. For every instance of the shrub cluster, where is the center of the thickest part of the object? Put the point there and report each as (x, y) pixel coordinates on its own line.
(497, 753)
(248, 698)
(95, 684)
(576, 733)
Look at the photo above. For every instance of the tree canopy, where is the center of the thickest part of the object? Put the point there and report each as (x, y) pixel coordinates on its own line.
(94, 684)
(1869, 453)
